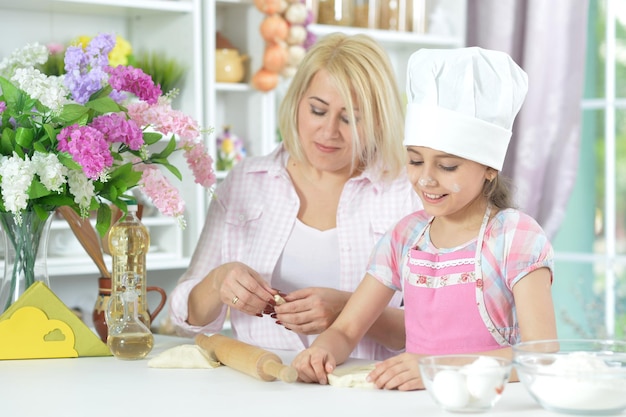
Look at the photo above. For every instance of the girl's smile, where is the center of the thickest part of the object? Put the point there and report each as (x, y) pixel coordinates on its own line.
(446, 184)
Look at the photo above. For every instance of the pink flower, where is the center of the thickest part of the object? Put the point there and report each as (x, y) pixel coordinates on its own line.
(200, 162)
(164, 197)
(134, 80)
(55, 48)
(116, 128)
(87, 147)
(164, 119)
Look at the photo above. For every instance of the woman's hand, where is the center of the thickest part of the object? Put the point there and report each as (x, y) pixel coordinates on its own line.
(243, 289)
(313, 364)
(311, 310)
(399, 372)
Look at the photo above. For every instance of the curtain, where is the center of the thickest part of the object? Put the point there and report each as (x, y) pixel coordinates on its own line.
(547, 39)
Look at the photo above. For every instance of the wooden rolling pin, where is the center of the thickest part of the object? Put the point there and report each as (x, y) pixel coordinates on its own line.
(246, 358)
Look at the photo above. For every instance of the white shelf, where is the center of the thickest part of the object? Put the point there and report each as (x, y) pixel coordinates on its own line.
(391, 38)
(64, 266)
(233, 87)
(122, 8)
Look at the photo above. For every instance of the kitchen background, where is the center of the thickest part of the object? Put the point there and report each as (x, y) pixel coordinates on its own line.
(590, 240)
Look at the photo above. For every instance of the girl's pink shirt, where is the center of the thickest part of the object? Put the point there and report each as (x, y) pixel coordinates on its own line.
(514, 245)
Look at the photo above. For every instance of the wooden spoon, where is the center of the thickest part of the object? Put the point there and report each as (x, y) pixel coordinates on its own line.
(87, 236)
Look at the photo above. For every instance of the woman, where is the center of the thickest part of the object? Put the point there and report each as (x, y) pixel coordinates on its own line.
(303, 220)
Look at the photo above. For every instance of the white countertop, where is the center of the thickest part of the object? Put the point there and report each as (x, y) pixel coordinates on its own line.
(109, 387)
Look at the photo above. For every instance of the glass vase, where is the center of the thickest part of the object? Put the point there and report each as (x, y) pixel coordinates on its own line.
(25, 253)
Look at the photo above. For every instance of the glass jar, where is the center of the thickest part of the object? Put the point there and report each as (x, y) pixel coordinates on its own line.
(335, 12)
(366, 13)
(395, 15)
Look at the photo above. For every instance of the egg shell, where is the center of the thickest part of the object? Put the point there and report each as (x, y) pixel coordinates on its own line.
(450, 389)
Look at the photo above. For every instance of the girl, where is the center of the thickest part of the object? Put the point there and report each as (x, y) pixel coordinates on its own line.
(475, 274)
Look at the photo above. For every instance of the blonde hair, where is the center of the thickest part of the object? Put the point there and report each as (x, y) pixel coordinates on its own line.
(359, 68)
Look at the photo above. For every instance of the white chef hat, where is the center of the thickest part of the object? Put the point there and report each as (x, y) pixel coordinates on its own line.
(463, 102)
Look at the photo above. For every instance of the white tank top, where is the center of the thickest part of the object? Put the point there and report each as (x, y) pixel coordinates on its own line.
(310, 259)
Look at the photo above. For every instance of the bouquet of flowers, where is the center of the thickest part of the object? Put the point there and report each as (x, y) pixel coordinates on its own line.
(83, 139)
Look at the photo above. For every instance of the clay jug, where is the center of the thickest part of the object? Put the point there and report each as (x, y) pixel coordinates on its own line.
(229, 66)
(104, 294)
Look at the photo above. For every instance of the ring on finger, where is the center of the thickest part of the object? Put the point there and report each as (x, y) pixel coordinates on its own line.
(235, 299)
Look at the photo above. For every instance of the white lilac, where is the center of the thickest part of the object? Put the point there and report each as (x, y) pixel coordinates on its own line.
(48, 90)
(82, 189)
(29, 56)
(51, 172)
(17, 174)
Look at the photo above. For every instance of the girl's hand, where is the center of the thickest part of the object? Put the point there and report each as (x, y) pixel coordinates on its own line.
(313, 365)
(399, 372)
(311, 310)
(243, 289)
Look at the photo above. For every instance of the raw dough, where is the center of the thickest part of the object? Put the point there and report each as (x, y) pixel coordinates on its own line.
(352, 376)
(279, 300)
(184, 356)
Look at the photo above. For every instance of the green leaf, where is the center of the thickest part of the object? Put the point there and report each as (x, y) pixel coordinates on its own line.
(67, 161)
(6, 142)
(122, 170)
(9, 91)
(24, 136)
(37, 190)
(103, 92)
(42, 213)
(173, 170)
(103, 105)
(72, 112)
(51, 131)
(57, 200)
(103, 220)
(150, 138)
(171, 147)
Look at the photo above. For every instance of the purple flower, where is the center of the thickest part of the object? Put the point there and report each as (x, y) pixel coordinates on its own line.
(3, 106)
(98, 49)
(88, 147)
(135, 81)
(85, 69)
(116, 128)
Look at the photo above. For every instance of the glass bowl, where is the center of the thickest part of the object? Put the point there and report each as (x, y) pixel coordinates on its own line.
(574, 376)
(465, 383)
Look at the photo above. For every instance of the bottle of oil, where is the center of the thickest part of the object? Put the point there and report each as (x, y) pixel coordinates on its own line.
(129, 241)
(128, 337)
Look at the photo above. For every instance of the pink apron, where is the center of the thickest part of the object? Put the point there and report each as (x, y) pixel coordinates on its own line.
(444, 305)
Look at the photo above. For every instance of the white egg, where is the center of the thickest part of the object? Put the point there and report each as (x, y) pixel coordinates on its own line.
(450, 389)
(484, 379)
